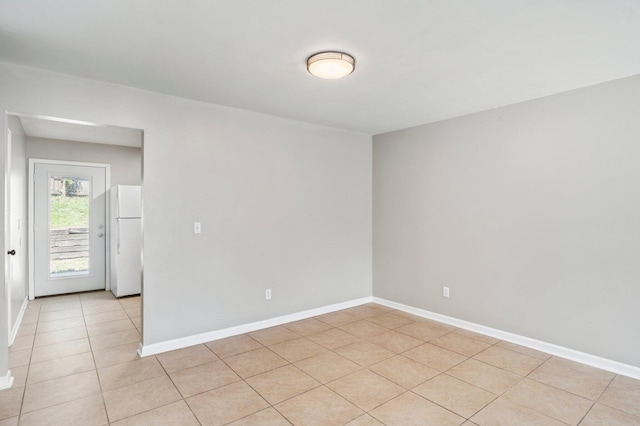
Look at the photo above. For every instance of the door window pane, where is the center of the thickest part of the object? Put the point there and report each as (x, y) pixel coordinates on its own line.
(69, 201)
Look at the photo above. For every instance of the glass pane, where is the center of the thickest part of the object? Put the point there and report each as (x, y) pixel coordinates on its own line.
(69, 225)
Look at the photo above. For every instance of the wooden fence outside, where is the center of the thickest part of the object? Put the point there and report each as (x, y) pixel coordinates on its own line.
(69, 243)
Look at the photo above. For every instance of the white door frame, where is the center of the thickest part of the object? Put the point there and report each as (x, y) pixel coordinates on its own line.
(31, 197)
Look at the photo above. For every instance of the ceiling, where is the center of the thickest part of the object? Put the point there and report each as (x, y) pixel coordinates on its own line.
(418, 61)
(79, 131)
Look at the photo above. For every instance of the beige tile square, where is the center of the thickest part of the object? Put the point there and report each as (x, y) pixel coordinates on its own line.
(10, 402)
(140, 397)
(186, 358)
(390, 320)
(603, 415)
(202, 378)
(255, 362)
(363, 329)
(297, 349)
(30, 318)
(60, 336)
(435, 357)
(31, 314)
(477, 336)
(87, 411)
(524, 350)
(121, 375)
(578, 366)
(20, 376)
(411, 409)
(11, 421)
(426, 330)
(27, 330)
(333, 338)
(130, 302)
(337, 318)
(583, 383)
(60, 367)
(364, 420)
(58, 391)
(509, 360)
(226, 404)
(365, 389)
(266, 417)
(273, 335)
(110, 340)
(460, 344)
(55, 300)
(327, 366)
(455, 395)
(116, 355)
(134, 312)
(395, 342)
(176, 413)
(318, 407)
(62, 306)
(282, 383)
(59, 315)
(60, 350)
(503, 412)
(555, 403)
(404, 371)
(19, 358)
(307, 326)
(21, 343)
(61, 324)
(103, 306)
(109, 327)
(96, 295)
(233, 345)
(105, 317)
(367, 311)
(624, 394)
(485, 376)
(364, 353)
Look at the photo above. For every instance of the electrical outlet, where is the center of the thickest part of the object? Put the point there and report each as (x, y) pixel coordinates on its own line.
(267, 294)
(445, 291)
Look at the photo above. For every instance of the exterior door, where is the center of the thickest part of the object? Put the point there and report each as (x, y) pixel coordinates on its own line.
(69, 228)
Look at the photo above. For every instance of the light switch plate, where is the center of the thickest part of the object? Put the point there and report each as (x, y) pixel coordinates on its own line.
(197, 228)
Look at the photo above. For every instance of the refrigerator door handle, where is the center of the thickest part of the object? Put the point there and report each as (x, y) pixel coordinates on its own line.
(118, 235)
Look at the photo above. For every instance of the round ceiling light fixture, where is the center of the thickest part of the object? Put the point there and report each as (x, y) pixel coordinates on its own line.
(331, 65)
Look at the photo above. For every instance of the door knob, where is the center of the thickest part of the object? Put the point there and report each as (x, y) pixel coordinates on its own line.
(12, 252)
(100, 235)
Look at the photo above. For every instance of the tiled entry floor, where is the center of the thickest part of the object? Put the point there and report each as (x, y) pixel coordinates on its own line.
(75, 363)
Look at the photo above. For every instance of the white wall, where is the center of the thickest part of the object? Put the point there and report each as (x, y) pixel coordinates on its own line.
(18, 214)
(125, 162)
(529, 213)
(283, 204)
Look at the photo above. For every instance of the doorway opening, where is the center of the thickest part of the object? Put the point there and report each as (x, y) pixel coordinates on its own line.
(58, 177)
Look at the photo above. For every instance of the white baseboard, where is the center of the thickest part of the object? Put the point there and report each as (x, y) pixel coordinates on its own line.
(6, 381)
(16, 326)
(573, 355)
(183, 342)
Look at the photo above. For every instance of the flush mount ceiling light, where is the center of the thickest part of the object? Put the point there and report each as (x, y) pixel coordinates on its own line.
(331, 65)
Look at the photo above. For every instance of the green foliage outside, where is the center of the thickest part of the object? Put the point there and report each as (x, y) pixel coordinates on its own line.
(69, 212)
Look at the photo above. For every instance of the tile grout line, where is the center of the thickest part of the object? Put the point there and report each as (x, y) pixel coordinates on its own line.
(104, 403)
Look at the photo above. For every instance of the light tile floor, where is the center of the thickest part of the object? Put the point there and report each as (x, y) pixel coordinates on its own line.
(75, 363)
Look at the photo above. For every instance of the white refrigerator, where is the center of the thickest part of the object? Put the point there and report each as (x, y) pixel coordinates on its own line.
(126, 240)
